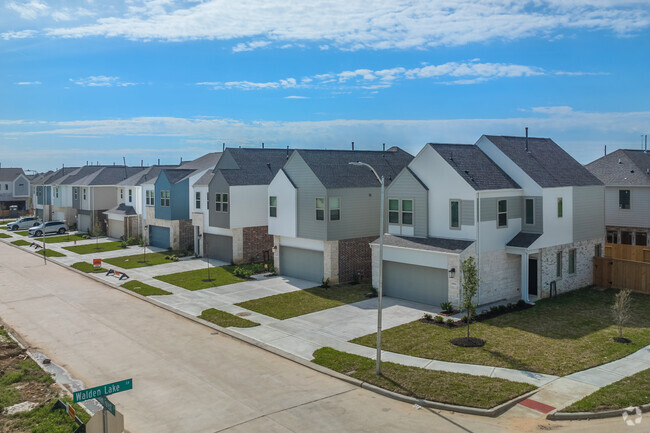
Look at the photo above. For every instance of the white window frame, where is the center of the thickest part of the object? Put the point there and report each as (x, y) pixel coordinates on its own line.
(75, 193)
(150, 197)
(330, 208)
(221, 200)
(321, 208)
(121, 193)
(165, 198)
(273, 207)
(197, 199)
(84, 194)
(56, 192)
(629, 199)
(499, 226)
(130, 195)
(451, 219)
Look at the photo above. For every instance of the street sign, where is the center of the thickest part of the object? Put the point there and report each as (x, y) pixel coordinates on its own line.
(103, 390)
(107, 404)
(97, 263)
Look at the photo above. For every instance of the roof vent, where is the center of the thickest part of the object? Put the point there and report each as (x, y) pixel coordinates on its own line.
(619, 161)
(631, 171)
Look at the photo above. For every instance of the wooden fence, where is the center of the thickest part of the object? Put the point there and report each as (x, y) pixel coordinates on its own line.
(622, 274)
(636, 253)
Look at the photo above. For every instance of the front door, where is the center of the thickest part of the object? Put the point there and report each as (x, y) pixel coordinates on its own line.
(532, 276)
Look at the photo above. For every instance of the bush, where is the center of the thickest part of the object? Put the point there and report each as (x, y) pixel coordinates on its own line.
(123, 244)
(326, 283)
(133, 241)
(356, 278)
(521, 303)
(438, 319)
(510, 306)
(494, 309)
(464, 319)
(502, 309)
(427, 316)
(242, 272)
(450, 322)
(447, 307)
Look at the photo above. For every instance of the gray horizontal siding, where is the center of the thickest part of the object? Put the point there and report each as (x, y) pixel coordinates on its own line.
(309, 188)
(588, 212)
(405, 187)
(489, 208)
(218, 185)
(467, 213)
(359, 213)
(538, 216)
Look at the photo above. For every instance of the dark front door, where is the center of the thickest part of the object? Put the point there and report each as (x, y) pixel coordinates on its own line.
(532, 276)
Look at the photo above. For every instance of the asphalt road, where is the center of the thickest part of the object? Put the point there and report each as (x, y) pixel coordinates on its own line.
(189, 379)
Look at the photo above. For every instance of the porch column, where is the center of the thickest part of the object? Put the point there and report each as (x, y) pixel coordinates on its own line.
(524, 276)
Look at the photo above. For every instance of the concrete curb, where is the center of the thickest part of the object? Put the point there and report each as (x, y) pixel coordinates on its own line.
(493, 412)
(578, 416)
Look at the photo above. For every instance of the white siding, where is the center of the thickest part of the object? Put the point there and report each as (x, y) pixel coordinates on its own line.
(286, 221)
(307, 244)
(557, 231)
(248, 206)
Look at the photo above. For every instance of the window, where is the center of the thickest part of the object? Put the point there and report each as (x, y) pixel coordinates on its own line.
(623, 198)
(56, 192)
(130, 196)
(320, 209)
(560, 209)
(530, 211)
(502, 213)
(221, 202)
(197, 200)
(164, 198)
(572, 261)
(626, 237)
(85, 196)
(121, 193)
(75, 193)
(149, 200)
(611, 236)
(393, 211)
(400, 211)
(273, 206)
(6, 186)
(407, 212)
(335, 208)
(598, 250)
(558, 264)
(641, 238)
(454, 214)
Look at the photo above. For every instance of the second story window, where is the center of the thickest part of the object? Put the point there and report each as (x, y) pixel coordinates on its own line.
(6, 186)
(164, 198)
(530, 211)
(502, 213)
(454, 214)
(407, 212)
(197, 200)
(121, 193)
(130, 196)
(149, 200)
(85, 195)
(400, 211)
(273, 206)
(56, 192)
(75, 193)
(320, 209)
(335, 208)
(560, 207)
(393, 211)
(221, 202)
(623, 198)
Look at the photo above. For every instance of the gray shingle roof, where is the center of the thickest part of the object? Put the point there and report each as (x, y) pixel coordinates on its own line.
(95, 175)
(523, 240)
(147, 174)
(545, 162)
(209, 160)
(633, 170)
(256, 166)
(205, 179)
(121, 209)
(175, 175)
(58, 174)
(8, 174)
(445, 245)
(333, 169)
(479, 171)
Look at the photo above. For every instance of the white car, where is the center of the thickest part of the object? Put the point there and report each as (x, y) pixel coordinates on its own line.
(49, 228)
(23, 223)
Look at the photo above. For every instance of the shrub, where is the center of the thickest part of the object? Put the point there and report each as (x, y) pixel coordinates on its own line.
(242, 272)
(494, 309)
(521, 303)
(510, 306)
(450, 322)
(438, 319)
(427, 316)
(123, 244)
(356, 277)
(447, 307)
(326, 283)
(133, 241)
(464, 319)
(502, 308)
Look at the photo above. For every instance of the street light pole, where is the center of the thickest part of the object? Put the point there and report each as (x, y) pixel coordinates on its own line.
(381, 262)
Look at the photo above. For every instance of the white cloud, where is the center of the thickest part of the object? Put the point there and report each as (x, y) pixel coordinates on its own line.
(22, 34)
(29, 83)
(350, 24)
(101, 81)
(555, 110)
(288, 83)
(296, 97)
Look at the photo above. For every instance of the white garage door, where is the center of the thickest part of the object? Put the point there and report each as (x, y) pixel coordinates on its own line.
(115, 228)
(83, 223)
(304, 264)
(58, 216)
(415, 283)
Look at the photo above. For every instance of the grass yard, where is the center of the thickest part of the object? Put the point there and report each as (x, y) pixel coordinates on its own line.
(631, 391)
(95, 248)
(135, 261)
(194, 280)
(286, 305)
(452, 388)
(50, 253)
(63, 238)
(226, 320)
(89, 268)
(558, 336)
(21, 243)
(4, 236)
(44, 420)
(22, 233)
(144, 289)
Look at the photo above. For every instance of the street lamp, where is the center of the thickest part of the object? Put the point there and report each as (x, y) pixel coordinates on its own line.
(144, 245)
(381, 260)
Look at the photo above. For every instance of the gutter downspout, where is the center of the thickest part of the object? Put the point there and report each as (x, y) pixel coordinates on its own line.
(478, 244)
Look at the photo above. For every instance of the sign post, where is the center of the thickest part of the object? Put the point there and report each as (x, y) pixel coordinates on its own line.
(100, 392)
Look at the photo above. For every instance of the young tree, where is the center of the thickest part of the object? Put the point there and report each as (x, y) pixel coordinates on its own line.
(97, 231)
(469, 283)
(621, 310)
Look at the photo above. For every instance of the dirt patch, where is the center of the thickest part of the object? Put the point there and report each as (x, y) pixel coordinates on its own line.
(468, 342)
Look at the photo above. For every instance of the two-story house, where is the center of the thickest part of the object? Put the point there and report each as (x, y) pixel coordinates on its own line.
(626, 175)
(529, 213)
(44, 193)
(323, 212)
(229, 205)
(14, 188)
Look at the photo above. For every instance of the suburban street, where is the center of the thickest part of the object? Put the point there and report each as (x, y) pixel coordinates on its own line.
(187, 379)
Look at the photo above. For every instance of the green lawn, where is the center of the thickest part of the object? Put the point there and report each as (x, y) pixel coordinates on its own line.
(286, 305)
(135, 261)
(144, 289)
(452, 388)
(89, 268)
(21, 243)
(63, 238)
(22, 233)
(631, 391)
(44, 420)
(558, 336)
(194, 280)
(226, 320)
(95, 248)
(4, 236)
(50, 253)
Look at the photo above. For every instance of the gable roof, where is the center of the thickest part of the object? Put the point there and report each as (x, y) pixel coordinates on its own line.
(209, 160)
(147, 173)
(252, 166)
(545, 162)
(205, 179)
(96, 175)
(333, 168)
(121, 209)
(622, 167)
(175, 175)
(474, 166)
(8, 174)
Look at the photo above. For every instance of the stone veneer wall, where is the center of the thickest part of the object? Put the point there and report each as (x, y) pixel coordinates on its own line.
(355, 256)
(257, 241)
(500, 276)
(331, 261)
(584, 274)
(185, 235)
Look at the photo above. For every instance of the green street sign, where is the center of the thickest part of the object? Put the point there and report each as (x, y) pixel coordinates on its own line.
(108, 405)
(103, 390)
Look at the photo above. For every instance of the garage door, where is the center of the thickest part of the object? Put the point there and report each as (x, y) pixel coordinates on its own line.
(415, 283)
(58, 216)
(83, 223)
(159, 236)
(218, 247)
(115, 228)
(303, 264)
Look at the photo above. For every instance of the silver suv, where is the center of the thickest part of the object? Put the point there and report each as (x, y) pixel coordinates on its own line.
(23, 223)
(49, 228)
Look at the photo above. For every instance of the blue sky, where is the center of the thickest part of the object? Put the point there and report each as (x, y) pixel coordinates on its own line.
(99, 80)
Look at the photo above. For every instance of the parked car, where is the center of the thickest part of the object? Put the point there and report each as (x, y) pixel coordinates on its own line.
(23, 223)
(49, 228)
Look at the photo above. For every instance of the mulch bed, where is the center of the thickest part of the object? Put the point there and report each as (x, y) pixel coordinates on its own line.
(456, 324)
(622, 340)
(468, 342)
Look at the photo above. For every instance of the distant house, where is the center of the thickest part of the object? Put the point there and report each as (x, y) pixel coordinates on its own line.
(323, 212)
(626, 175)
(529, 213)
(14, 189)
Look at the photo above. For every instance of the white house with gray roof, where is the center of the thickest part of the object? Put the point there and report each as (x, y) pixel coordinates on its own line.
(14, 188)
(526, 210)
(626, 175)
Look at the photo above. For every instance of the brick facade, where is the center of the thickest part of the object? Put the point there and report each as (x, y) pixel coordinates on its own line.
(584, 266)
(257, 244)
(355, 256)
(185, 235)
